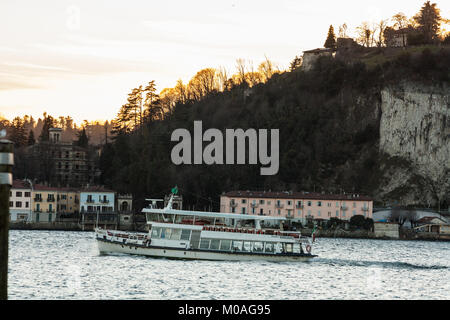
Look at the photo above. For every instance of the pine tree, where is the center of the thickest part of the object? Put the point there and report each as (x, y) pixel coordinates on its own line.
(429, 21)
(83, 139)
(18, 132)
(331, 39)
(48, 123)
(31, 141)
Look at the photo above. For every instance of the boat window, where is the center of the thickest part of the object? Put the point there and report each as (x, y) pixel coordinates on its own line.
(258, 246)
(269, 247)
(204, 243)
(225, 245)
(214, 244)
(278, 247)
(156, 232)
(185, 234)
(289, 247)
(176, 233)
(165, 233)
(247, 246)
(296, 248)
(237, 245)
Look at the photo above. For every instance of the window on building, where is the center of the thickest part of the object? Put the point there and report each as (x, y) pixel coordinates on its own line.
(319, 203)
(18, 193)
(27, 204)
(243, 210)
(309, 203)
(337, 204)
(18, 204)
(289, 202)
(318, 213)
(279, 211)
(11, 204)
(27, 194)
(244, 200)
(261, 201)
(354, 204)
(337, 213)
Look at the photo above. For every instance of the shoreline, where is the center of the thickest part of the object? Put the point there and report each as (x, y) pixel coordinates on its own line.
(330, 234)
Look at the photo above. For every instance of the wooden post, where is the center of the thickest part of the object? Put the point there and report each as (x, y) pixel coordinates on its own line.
(6, 163)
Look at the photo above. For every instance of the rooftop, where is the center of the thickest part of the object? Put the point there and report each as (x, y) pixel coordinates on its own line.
(20, 184)
(95, 189)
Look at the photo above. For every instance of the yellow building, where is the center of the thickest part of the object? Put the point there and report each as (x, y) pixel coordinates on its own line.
(68, 201)
(44, 203)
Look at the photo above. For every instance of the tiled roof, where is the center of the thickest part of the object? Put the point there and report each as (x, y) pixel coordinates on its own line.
(41, 187)
(428, 219)
(95, 189)
(296, 195)
(20, 184)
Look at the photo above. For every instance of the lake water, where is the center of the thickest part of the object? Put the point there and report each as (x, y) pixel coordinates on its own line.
(67, 265)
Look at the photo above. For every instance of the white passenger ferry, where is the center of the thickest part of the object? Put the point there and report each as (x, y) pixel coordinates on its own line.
(185, 234)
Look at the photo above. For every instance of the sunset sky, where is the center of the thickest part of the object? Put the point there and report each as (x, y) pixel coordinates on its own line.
(81, 58)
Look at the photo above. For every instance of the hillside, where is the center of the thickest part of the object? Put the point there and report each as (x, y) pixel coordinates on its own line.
(331, 121)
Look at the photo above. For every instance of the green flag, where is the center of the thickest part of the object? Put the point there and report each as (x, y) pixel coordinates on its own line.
(175, 190)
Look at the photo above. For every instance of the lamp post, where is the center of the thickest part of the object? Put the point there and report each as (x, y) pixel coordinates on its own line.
(6, 163)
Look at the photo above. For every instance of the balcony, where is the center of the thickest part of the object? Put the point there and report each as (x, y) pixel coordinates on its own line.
(50, 199)
(51, 211)
(299, 206)
(37, 199)
(104, 201)
(344, 207)
(233, 204)
(254, 204)
(38, 210)
(90, 201)
(279, 205)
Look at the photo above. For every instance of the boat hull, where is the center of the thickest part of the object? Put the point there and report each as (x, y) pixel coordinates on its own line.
(109, 247)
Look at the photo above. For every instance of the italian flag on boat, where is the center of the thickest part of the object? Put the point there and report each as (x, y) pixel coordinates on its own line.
(313, 234)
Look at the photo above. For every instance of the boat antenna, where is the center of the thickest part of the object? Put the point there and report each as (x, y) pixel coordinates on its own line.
(174, 191)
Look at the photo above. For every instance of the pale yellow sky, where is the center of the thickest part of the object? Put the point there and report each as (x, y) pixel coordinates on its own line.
(81, 58)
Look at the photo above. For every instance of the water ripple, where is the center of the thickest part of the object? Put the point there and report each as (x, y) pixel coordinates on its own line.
(67, 265)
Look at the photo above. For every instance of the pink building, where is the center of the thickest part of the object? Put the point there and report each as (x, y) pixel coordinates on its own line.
(297, 205)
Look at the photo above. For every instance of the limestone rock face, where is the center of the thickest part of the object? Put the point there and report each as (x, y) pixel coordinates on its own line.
(415, 126)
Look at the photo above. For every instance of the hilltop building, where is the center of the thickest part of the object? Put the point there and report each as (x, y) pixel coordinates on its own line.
(311, 56)
(61, 162)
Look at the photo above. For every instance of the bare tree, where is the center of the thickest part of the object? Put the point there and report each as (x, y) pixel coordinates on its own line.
(342, 31)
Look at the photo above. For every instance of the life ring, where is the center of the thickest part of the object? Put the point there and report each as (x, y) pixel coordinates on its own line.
(308, 248)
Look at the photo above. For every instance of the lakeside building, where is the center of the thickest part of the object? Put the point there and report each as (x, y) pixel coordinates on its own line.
(20, 201)
(97, 199)
(44, 203)
(40, 203)
(68, 201)
(298, 206)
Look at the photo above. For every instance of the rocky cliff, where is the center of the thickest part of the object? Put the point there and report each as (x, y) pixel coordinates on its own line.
(415, 141)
